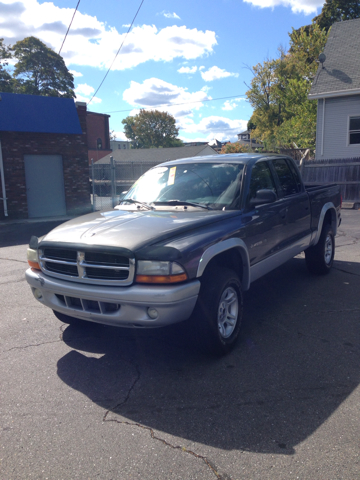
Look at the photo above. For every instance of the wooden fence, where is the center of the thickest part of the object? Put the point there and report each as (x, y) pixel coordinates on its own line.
(344, 172)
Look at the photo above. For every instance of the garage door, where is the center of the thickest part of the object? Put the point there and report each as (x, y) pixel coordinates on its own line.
(45, 191)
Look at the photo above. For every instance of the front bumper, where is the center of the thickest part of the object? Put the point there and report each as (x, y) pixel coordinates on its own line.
(118, 306)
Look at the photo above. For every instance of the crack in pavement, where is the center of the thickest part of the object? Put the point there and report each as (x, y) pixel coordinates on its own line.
(207, 462)
(13, 260)
(345, 271)
(13, 281)
(152, 433)
(31, 345)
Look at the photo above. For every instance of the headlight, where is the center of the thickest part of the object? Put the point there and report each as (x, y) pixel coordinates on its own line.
(32, 258)
(159, 272)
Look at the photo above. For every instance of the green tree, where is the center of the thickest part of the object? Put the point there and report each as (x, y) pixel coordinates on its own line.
(235, 148)
(279, 89)
(5, 77)
(41, 71)
(151, 129)
(335, 11)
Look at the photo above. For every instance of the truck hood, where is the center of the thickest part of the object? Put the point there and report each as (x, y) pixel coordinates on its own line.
(131, 229)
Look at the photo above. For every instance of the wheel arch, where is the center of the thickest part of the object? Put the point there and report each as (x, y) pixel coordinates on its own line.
(231, 252)
(328, 216)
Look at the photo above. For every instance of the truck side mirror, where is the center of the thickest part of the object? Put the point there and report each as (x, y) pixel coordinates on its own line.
(262, 197)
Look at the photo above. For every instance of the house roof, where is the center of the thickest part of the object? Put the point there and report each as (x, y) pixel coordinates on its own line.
(34, 113)
(340, 73)
(157, 155)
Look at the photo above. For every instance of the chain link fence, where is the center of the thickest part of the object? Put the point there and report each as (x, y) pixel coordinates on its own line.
(109, 181)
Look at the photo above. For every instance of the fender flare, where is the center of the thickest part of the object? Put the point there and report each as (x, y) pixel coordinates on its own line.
(328, 206)
(229, 244)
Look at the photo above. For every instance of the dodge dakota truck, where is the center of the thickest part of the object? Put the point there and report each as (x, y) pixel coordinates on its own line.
(184, 243)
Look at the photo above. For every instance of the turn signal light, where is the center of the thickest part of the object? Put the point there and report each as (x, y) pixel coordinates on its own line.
(161, 278)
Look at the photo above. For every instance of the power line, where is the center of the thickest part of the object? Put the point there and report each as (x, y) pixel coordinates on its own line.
(69, 27)
(117, 53)
(178, 104)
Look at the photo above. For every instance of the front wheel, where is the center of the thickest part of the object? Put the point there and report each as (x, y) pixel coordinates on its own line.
(218, 312)
(320, 258)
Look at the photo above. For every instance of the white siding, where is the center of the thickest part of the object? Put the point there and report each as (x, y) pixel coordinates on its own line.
(337, 112)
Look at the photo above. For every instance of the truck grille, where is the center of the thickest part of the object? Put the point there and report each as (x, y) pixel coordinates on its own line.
(100, 268)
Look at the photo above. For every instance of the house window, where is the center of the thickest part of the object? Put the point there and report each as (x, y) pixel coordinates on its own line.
(99, 144)
(354, 130)
(119, 146)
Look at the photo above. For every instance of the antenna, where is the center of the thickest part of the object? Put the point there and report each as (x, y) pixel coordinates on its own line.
(322, 58)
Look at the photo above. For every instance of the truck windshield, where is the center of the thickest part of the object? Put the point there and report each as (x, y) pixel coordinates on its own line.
(215, 185)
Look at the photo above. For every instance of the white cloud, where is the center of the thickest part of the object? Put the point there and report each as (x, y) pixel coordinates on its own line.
(231, 104)
(154, 92)
(171, 15)
(120, 135)
(85, 89)
(215, 73)
(94, 43)
(84, 92)
(187, 69)
(297, 6)
(221, 128)
(75, 73)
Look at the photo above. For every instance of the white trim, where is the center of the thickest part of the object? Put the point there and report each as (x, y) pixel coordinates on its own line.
(348, 144)
(339, 93)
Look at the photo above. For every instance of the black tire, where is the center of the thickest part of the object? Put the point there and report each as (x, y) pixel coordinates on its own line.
(219, 300)
(320, 257)
(67, 319)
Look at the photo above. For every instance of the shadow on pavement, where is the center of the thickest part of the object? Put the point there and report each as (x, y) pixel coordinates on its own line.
(297, 361)
(20, 233)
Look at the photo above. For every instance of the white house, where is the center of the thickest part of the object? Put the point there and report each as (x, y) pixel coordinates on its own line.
(336, 88)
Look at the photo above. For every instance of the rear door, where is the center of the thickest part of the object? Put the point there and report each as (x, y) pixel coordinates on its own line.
(295, 202)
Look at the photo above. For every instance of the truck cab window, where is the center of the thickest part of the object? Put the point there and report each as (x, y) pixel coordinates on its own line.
(287, 181)
(261, 178)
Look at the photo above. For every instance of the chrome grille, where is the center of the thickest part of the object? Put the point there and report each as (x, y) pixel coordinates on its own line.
(100, 268)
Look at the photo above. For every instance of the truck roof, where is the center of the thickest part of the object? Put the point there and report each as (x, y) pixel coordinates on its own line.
(244, 158)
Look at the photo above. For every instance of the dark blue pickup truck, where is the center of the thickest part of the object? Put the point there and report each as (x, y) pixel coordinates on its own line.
(185, 241)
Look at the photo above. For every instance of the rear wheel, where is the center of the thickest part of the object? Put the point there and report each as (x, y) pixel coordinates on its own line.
(218, 312)
(320, 257)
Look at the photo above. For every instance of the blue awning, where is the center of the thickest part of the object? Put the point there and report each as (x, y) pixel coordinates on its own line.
(34, 113)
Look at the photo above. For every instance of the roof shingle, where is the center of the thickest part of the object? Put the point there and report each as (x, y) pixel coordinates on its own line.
(340, 73)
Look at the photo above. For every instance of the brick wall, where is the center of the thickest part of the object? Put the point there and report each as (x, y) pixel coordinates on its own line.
(74, 152)
(98, 127)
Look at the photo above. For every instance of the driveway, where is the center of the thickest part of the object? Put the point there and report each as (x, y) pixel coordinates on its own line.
(90, 401)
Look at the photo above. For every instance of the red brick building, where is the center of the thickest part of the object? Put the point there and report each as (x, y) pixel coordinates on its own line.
(43, 157)
(98, 134)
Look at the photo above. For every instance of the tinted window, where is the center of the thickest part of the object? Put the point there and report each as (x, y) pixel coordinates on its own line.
(213, 184)
(296, 174)
(261, 178)
(287, 181)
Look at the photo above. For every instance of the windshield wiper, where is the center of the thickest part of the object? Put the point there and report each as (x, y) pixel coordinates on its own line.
(181, 202)
(136, 202)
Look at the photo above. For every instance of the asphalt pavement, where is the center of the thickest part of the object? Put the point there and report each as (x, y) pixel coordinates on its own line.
(95, 402)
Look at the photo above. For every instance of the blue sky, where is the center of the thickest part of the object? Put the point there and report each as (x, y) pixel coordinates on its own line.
(184, 53)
